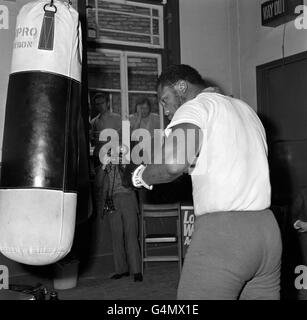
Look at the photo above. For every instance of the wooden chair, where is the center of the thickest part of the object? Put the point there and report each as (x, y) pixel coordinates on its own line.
(150, 213)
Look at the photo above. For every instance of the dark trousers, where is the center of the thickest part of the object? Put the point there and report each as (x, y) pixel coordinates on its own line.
(124, 228)
(233, 255)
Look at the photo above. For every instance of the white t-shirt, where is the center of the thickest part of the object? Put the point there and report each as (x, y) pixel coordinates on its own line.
(231, 172)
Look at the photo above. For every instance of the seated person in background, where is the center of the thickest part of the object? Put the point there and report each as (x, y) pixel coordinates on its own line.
(121, 207)
(144, 118)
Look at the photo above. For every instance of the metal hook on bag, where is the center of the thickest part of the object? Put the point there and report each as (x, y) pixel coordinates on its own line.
(51, 5)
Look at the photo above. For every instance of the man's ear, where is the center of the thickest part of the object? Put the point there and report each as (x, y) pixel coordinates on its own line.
(181, 86)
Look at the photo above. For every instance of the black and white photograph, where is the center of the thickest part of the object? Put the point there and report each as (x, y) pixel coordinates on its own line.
(153, 153)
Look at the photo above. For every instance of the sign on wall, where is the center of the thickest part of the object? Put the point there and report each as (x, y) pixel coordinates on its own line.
(187, 220)
(277, 12)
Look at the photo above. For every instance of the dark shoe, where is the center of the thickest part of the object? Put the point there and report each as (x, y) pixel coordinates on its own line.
(138, 277)
(117, 276)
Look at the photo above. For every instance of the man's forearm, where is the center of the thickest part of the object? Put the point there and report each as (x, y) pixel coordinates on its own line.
(158, 174)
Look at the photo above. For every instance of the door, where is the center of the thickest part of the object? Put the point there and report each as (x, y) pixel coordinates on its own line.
(282, 106)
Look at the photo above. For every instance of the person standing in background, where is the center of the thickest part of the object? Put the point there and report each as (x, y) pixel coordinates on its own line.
(121, 208)
(104, 120)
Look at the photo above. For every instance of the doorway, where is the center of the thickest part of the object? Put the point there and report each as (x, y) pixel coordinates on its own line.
(282, 107)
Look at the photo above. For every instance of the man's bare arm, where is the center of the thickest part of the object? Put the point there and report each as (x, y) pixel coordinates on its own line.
(179, 151)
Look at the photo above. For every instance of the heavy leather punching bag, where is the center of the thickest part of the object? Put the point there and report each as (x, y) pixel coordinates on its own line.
(38, 192)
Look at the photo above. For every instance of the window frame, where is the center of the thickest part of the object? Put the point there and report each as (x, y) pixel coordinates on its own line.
(101, 39)
(124, 90)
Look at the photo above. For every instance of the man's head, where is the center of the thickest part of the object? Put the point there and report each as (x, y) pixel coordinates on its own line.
(178, 84)
(145, 107)
(102, 102)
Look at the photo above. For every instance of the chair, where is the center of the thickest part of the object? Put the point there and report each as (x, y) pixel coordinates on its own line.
(149, 214)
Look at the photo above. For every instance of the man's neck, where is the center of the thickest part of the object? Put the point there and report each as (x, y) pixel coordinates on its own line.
(194, 92)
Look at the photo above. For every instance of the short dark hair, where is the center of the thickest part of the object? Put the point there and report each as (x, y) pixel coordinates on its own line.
(143, 100)
(101, 95)
(178, 72)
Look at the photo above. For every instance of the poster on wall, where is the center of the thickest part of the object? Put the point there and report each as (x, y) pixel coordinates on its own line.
(187, 224)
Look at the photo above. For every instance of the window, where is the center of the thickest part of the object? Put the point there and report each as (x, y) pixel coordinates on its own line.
(126, 23)
(125, 76)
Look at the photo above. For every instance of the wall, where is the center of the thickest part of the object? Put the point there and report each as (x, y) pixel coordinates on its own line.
(225, 41)
(259, 45)
(204, 37)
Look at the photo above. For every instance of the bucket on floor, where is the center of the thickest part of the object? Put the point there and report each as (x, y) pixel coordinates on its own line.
(66, 275)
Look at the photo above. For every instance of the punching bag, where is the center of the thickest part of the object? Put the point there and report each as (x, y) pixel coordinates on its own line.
(38, 194)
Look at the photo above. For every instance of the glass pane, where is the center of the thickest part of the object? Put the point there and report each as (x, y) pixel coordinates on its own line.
(155, 26)
(123, 7)
(123, 22)
(98, 122)
(115, 102)
(91, 18)
(142, 73)
(103, 70)
(91, 4)
(124, 37)
(156, 40)
(155, 12)
(135, 97)
(91, 24)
